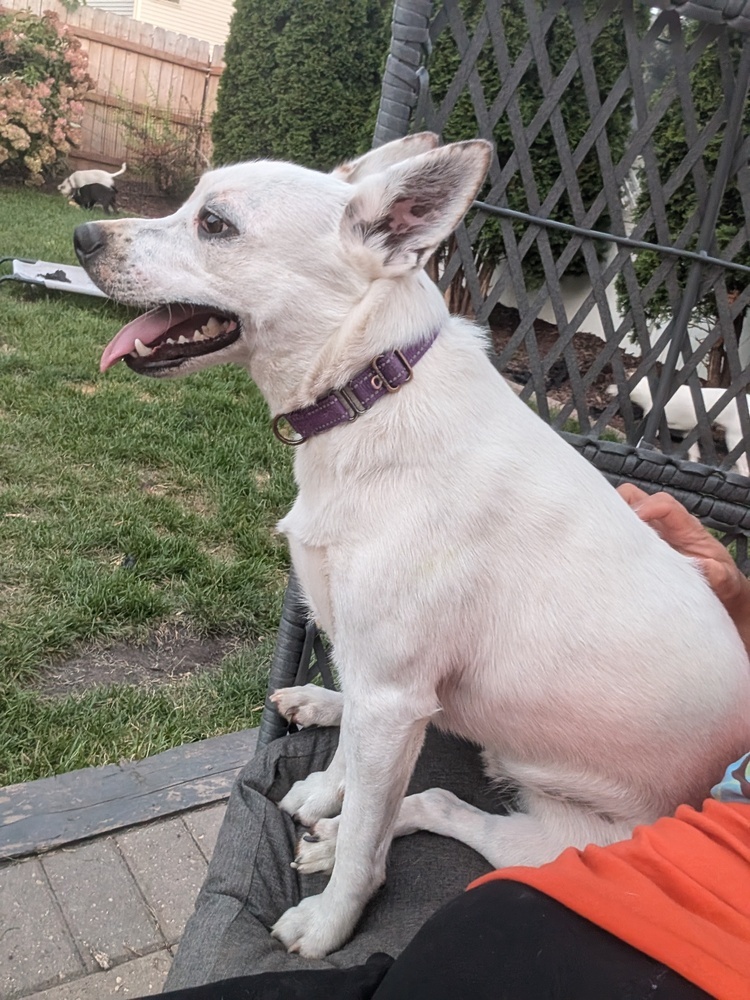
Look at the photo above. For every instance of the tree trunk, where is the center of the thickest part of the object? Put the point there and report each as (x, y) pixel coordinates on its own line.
(717, 374)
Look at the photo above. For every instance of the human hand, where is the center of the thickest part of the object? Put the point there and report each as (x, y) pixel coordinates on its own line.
(687, 535)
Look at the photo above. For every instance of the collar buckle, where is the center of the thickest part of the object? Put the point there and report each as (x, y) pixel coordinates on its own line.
(385, 374)
(349, 400)
(380, 374)
(281, 424)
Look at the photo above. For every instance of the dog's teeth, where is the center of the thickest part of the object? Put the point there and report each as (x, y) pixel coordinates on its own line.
(170, 340)
(141, 350)
(293, 864)
(182, 340)
(199, 336)
(213, 327)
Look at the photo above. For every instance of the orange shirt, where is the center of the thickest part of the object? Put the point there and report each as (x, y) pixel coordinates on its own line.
(678, 890)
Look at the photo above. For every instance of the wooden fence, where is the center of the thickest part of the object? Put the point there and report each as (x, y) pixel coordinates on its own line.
(142, 74)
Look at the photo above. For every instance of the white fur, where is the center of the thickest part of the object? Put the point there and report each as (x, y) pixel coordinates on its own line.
(469, 566)
(308, 705)
(79, 179)
(680, 415)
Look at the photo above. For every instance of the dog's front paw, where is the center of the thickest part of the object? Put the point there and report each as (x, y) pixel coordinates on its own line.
(316, 850)
(314, 797)
(309, 705)
(314, 928)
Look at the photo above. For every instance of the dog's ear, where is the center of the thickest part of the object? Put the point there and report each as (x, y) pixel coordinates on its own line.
(407, 210)
(377, 160)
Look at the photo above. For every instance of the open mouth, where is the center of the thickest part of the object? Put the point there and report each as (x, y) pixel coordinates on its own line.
(169, 335)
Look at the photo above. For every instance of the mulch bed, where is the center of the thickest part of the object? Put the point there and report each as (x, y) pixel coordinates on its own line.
(136, 198)
(586, 347)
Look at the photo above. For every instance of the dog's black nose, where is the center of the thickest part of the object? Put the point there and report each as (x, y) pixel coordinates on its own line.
(89, 240)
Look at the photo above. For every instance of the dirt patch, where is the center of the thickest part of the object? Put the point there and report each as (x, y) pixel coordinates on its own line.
(135, 198)
(156, 489)
(86, 388)
(166, 656)
(224, 553)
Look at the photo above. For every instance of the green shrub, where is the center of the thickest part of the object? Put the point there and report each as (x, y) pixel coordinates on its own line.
(672, 146)
(42, 80)
(164, 147)
(301, 81)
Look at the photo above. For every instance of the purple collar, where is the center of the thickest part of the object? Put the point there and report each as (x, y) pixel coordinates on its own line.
(385, 374)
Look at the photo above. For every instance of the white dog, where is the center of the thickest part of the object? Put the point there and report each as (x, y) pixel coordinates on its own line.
(80, 178)
(681, 417)
(471, 569)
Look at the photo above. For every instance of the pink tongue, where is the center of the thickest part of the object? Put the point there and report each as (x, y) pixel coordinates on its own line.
(147, 329)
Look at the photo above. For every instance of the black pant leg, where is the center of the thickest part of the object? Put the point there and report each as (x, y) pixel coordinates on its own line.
(356, 983)
(507, 941)
(502, 941)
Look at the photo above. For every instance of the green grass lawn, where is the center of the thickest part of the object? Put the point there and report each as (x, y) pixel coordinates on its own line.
(128, 507)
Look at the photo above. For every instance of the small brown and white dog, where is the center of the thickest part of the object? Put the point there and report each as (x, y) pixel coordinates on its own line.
(471, 569)
(82, 178)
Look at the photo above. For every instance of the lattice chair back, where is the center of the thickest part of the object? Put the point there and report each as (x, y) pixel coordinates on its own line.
(609, 253)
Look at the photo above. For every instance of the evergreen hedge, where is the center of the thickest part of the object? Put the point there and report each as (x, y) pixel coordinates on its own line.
(670, 142)
(301, 80)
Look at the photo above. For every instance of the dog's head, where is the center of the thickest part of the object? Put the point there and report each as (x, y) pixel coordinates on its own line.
(269, 255)
(67, 187)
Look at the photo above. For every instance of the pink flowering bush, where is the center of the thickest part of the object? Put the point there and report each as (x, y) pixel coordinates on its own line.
(42, 82)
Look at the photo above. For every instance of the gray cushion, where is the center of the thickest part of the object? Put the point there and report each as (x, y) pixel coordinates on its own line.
(250, 882)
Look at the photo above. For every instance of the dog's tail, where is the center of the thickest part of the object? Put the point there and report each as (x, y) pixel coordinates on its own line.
(122, 170)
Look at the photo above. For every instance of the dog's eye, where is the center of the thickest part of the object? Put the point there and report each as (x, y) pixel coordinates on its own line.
(213, 224)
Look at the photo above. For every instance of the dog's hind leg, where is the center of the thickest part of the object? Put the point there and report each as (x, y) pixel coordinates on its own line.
(532, 837)
(528, 838)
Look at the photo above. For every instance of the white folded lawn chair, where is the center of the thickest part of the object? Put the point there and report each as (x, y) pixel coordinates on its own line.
(56, 277)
